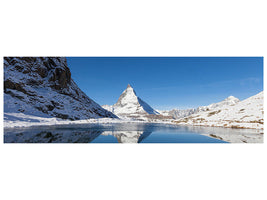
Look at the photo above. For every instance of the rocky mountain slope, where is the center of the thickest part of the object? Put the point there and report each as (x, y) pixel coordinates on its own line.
(42, 86)
(130, 105)
(248, 113)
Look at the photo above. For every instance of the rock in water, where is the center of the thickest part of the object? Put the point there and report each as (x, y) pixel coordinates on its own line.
(43, 86)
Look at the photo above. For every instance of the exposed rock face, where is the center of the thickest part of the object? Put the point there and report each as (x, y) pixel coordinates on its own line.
(130, 105)
(43, 86)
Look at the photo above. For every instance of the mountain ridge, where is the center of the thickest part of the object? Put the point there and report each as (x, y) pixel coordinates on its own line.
(248, 113)
(43, 86)
(180, 113)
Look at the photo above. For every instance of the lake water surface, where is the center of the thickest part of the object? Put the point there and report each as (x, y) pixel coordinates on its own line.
(119, 133)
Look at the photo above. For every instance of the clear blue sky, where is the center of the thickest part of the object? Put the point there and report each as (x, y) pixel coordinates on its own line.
(168, 82)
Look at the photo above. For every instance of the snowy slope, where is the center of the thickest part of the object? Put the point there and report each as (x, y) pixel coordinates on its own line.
(130, 105)
(244, 114)
(178, 113)
(42, 86)
(231, 100)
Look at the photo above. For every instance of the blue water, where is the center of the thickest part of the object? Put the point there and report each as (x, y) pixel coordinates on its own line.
(113, 133)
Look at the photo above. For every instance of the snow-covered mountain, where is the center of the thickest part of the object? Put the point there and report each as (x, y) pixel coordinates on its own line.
(179, 113)
(248, 113)
(130, 105)
(231, 100)
(42, 86)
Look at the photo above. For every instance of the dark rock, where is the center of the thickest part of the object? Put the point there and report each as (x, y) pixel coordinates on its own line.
(42, 71)
(34, 82)
(50, 107)
(63, 116)
(8, 84)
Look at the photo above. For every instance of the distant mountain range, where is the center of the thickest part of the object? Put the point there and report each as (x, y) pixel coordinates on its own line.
(231, 112)
(179, 113)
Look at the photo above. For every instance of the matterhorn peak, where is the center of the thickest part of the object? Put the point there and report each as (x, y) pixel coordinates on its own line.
(130, 104)
(130, 90)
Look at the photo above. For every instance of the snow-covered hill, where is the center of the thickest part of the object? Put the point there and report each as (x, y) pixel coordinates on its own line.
(231, 100)
(130, 105)
(42, 86)
(240, 114)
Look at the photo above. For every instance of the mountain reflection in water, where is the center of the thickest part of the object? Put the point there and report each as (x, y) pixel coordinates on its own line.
(76, 134)
(128, 136)
(126, 133)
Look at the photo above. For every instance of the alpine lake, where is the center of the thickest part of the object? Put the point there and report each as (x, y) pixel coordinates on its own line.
(129, 133)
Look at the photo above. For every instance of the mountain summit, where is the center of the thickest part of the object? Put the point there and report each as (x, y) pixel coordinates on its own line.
(229, 101)
(130, 105)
